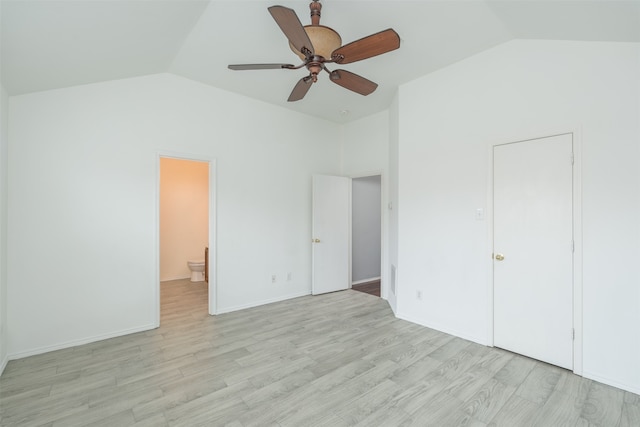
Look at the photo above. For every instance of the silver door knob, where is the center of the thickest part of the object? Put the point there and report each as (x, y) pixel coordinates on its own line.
(315, 240)
(499, 257)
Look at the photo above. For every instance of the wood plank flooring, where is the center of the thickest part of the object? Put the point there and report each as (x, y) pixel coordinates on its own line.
(371, 288)
(340, 359)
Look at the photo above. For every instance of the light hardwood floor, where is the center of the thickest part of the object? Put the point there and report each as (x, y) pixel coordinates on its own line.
(340, 359)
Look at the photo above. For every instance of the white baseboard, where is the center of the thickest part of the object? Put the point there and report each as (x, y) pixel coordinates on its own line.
(263, 302)
(175, 278)
(590, 375)
(440, 328)
(3, 364)
(613, 383)
(75, 343)
(357, 282)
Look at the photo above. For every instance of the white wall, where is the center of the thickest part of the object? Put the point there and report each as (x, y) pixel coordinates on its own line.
(83, 202)
(365, 152)
(184, 215)
(366, 145)
(3, 226)
(523, 89)
(366, 223)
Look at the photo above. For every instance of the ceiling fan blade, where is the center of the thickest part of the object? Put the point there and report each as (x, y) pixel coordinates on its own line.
(301, 88)
(373, 45)
(259, 66)
(291, 26)
(353, 82)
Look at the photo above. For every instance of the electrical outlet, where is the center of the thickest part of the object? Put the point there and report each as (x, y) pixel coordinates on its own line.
(288, 276)
(419, 295)
(273, 278)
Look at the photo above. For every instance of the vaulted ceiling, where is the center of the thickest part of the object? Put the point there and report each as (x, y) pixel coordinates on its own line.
(51, 44)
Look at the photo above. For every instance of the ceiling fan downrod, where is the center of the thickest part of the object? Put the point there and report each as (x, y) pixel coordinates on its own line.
(315, 63)
(315, 7)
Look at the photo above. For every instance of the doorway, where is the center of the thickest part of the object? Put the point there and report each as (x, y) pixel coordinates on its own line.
(332, 240)
(366, 234)
(185, 234)
(533, 248)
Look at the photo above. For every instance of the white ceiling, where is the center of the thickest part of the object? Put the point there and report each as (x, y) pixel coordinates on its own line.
(48, 44)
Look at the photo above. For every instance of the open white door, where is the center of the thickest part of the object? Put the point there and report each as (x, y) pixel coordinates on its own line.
(533, 240)
(330, 233)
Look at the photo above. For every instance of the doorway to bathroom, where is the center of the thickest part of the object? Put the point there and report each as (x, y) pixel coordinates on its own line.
(185, 232)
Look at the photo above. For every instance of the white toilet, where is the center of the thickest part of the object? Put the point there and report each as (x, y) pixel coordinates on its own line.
(197, 270)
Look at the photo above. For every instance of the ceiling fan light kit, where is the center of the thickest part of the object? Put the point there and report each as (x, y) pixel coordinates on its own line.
(318, 45)
(324, 40)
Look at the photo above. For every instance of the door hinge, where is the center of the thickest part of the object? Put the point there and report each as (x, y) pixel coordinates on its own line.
(573, 334)
(571, 158)
(573, 246)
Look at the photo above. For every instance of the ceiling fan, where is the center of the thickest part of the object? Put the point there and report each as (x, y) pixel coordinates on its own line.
(318, 45)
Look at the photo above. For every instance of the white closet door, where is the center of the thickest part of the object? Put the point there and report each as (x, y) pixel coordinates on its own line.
(533, 249)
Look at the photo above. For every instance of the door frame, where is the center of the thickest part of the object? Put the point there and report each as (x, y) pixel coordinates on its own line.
(577, 234)
(212, 273)
(383, 224)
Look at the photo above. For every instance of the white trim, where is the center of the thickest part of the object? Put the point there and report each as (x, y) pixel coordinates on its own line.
(609, 381)
(489, 218)
(263, 302)
(213, 237)
(170, 279)
(3, 365)
(440, 328)
(359, 282)
(82, 341)
(576, 132)
(366, 174)
(578, 366)
(350, 231)
(213, 215)
(384, 232)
